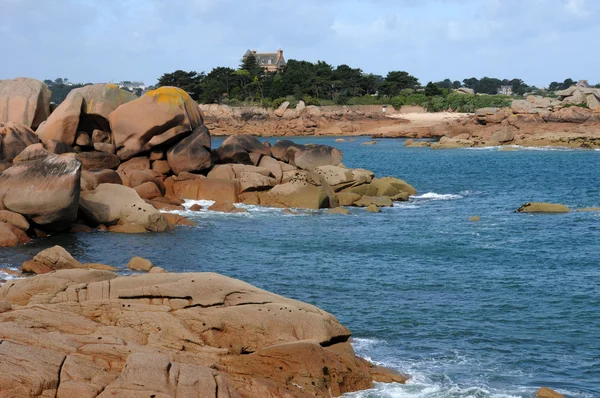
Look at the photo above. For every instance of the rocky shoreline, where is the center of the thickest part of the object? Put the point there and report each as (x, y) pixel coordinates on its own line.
(107, 160)
(85, 332)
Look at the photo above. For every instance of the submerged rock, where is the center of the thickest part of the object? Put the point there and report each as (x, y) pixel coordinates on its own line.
(541, 207)
(546, 392)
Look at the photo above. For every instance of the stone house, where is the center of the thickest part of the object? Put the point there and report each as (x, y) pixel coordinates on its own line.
(271, 62)
(505, 90)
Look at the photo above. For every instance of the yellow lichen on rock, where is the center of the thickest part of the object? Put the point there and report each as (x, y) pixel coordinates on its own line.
(171, 95)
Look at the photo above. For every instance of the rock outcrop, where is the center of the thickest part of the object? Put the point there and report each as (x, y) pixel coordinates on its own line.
(45, 190)
(157, 118)
(57, 258)
(85, 333)
(191, 153)
(110, 204)
(161, 150)
(85, 109)
(14, 138)
(24, 101)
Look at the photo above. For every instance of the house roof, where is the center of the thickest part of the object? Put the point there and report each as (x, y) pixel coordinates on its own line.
(266, 59)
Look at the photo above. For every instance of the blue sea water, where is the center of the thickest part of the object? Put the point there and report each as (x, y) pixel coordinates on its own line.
(496, 308)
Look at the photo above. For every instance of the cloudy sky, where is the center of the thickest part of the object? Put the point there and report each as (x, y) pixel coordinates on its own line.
(113, 40)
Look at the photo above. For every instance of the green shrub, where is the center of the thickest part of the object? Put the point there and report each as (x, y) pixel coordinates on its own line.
(366, 100)
(266, 103)
(581, 105)
(308, 100)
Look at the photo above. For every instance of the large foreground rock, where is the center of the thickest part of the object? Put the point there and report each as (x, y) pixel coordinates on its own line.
(112, 203)
(44, 190)
(24, 101)
(87, 333)
(160, 116)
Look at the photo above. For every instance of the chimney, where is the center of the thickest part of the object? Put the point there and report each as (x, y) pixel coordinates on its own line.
(279, 54)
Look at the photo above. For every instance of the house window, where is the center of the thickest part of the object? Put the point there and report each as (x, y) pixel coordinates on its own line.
(269, 61)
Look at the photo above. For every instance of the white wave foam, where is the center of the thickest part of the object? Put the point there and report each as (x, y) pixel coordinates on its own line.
(253, 210)
(438, 196)
(524, 148)
(9, 276)
(419, 389)
(404, 205)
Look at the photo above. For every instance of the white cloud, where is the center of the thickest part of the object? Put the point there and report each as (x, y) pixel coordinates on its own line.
(577, 8)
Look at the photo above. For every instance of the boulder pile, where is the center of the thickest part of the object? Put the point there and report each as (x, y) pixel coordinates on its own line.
(224, 120)
(107, 159)
(536, 121)
(92, 333)
(581, 93)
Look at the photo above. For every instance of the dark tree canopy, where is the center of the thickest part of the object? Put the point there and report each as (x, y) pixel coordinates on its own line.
(188, 81)
(397, 81)
(431, 90)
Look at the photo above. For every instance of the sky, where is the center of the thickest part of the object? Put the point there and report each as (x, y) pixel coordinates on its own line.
(539, 41)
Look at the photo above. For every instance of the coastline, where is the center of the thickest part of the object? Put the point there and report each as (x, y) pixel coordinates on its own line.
(569, 127)
(130, 183)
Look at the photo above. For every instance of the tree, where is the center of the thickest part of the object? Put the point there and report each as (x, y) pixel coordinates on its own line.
(446, 83)
(350, 79)
(396, 81)
(488, 85)
(370, 83)
(456, 84)
(431, 90)
(187, 81)
(58, 81)
(519, 87)
(217, 84)
(554, 86)
(472, 83)
(567, 83)
(251, 65)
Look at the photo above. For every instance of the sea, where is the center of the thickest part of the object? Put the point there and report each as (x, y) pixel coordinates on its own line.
(495, 308)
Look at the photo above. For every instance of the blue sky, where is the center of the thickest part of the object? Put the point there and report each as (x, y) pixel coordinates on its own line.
(113, 40)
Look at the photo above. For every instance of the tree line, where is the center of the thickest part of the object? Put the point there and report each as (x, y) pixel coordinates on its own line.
(321, 83)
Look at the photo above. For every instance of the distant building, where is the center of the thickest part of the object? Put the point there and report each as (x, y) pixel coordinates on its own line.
(132, 85)
(505, 90)
(271, 62)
